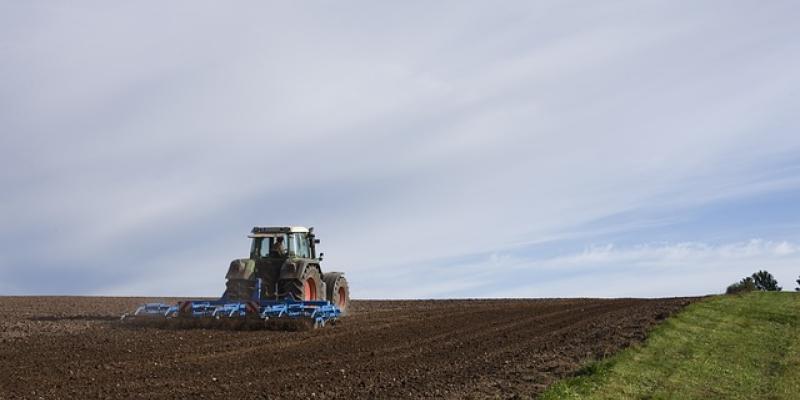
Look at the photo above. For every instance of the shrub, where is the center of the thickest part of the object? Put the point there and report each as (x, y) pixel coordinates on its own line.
(743, 286)
(766, 282)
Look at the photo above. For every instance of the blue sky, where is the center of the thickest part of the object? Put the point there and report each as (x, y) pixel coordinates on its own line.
(448, 149)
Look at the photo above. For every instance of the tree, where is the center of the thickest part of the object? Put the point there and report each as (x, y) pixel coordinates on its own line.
(798, 284)
(743, 286)
(766, 282)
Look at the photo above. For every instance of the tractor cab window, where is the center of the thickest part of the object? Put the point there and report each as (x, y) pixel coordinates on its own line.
(262, 245)
(266, 244)
(299, 245)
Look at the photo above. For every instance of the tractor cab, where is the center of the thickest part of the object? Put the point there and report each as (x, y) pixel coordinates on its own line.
(298, 242)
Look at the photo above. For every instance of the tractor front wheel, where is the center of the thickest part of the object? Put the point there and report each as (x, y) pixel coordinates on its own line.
(338, 292)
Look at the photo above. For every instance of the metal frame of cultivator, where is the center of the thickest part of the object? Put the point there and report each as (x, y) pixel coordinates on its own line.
(242, 314)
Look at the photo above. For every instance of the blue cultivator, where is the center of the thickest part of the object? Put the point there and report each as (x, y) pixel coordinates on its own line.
(247, 314)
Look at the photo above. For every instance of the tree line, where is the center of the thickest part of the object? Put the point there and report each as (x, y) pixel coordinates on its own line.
(761, 280)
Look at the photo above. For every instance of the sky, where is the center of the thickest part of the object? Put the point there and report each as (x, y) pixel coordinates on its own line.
(449, 149)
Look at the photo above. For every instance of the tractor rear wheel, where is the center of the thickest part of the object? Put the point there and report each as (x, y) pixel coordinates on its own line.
(239, 289)
(307, 288)
(338, 292)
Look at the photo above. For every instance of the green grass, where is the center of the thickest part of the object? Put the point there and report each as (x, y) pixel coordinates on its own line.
(724, 347)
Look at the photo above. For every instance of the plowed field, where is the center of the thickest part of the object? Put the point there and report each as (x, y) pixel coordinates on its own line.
(74, 347)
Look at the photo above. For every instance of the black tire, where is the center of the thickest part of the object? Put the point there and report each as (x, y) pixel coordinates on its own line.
(338, 292)
(308, 287)
(239, 289)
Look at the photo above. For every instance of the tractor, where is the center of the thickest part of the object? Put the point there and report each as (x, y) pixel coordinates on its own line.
(285, 259)
(280, 284)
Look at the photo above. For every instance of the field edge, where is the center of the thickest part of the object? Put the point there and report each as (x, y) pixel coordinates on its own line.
(684, 358)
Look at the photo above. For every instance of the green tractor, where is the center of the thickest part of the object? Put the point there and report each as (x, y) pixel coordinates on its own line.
(285, 259)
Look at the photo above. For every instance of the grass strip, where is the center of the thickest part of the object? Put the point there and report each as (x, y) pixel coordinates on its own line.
(725, 347)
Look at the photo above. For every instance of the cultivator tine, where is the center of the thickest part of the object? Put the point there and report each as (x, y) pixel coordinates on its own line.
(299, 315)
(150, 314)
(289, 324)
(185, 309)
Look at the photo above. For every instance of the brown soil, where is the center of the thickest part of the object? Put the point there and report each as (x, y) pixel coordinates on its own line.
(73, 347)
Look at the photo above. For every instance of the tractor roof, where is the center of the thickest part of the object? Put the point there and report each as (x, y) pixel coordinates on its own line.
(264, 230)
